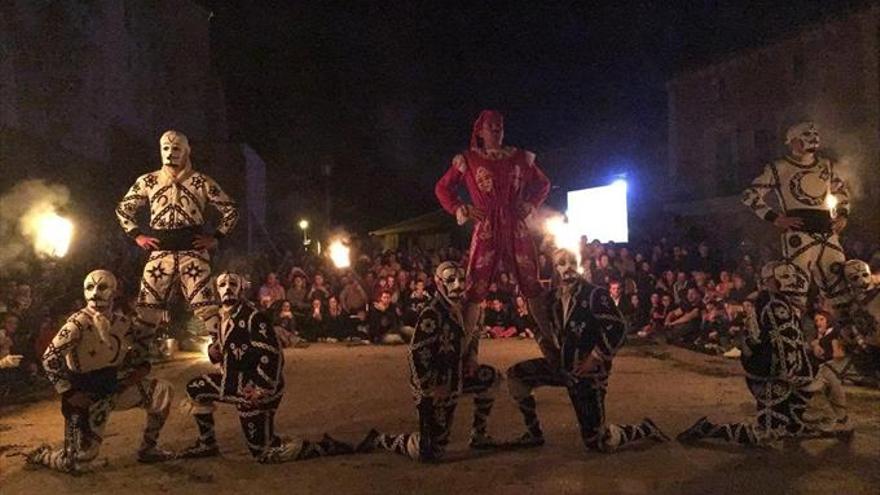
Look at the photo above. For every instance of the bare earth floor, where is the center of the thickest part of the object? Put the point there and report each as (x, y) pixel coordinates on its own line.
(346, 391)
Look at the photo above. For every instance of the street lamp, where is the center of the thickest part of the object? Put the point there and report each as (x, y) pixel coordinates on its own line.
(304, 225)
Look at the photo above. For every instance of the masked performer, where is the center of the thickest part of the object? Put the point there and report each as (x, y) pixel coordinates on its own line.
(177, 196)
(436, 363)
(814, 204)
(778, 368)
(91, 366)
(251, 377)
(505, 186)
(589, 330)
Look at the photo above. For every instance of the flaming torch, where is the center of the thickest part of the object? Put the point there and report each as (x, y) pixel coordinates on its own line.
(831, 203)
(340, 254)
(51, 233)
(564, 236)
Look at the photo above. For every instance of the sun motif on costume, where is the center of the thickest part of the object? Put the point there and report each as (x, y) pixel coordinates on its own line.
(193, 271)
(810, 187)
(428, 325)
(151, 180)
(197, 181)
(156, 273)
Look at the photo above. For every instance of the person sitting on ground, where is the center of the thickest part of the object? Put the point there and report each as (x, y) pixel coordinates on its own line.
(522, 319)
(384, 322)
(683, 323)
(272, 289)
(497, 321)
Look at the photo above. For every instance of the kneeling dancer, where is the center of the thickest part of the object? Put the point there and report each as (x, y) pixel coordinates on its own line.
(91, 366)
(589, 330)
(251, 364)
(440, 373)
(778, 368)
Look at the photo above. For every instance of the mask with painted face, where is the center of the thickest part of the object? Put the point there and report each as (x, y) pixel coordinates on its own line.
(229, 287)
(858, 275)
(99, 289)
(785, 277)
(175, 150)
(566, 266)
(807, 133)
(450, 279)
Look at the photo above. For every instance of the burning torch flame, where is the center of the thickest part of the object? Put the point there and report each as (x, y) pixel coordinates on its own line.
(565, 237)
(51, 232)
(831, 201)
(203, 352)
(340, 254)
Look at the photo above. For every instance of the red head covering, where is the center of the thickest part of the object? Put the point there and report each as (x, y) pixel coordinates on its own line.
(485, 116)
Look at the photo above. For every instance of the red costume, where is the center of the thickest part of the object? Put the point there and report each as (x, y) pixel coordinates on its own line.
(505, 184)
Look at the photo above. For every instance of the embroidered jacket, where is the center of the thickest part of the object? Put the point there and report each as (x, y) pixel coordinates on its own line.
(797, 187)
(176, 203)
(589, 324)
(78, 348)
(435, 353)
(251, 355)
(775, 348)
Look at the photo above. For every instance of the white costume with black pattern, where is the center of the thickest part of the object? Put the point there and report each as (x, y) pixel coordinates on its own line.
(436, 362)
(177, 208)
(83, 359)
(802, 191)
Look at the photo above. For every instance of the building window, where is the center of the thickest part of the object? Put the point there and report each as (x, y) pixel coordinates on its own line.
(797, 66)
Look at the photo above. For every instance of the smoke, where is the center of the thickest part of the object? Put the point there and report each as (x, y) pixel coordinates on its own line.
(17, 206)
(846, 143)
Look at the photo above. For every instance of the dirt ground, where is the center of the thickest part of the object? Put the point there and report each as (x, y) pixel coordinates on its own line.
(346, 391)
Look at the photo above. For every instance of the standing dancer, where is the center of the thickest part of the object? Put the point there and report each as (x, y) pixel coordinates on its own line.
(778, 368)
(251, 377)
(505, 186)
(814, 204)
(436, 361)
(590, 330)
(91, 366)
(177, 196)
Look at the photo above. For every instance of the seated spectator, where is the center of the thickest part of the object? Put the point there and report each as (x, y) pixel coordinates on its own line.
(713, 337)
(522, 319)
(640, 317)
(738, 290)
(497, 320)
(620, 301)
(314, 326)
(666, 283)
(338, 325)
(415, 303)
(271, 289)
(284, 323)
(384, 322)
(353, 297)
(683, 323)
(297, 295)
(660, 307)
(319, 290)
(724, 285)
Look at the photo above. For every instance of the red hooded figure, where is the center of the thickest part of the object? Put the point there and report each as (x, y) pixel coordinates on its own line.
(505, 185)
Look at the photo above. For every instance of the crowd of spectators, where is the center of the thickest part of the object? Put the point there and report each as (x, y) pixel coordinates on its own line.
(685, 294)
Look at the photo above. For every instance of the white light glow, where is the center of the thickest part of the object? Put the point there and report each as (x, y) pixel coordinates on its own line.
(304, 224)
(340, 254)
(831, 201)
(51, 232)
(564, 236)
(600, 212)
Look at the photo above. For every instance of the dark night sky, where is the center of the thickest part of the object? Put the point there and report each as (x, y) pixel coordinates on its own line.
(387, 91)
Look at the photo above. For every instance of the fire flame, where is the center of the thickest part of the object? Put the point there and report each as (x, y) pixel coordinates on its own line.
(340, 254)
(51, 233)
(831, 201)
(564, 236)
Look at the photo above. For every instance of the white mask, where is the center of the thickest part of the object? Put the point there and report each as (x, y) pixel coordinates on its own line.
(175, 150)
(566, 266)
(788, 278)
(99, 288)
(450, 278)
(858, 274)
(807, 132)
(229, 287)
